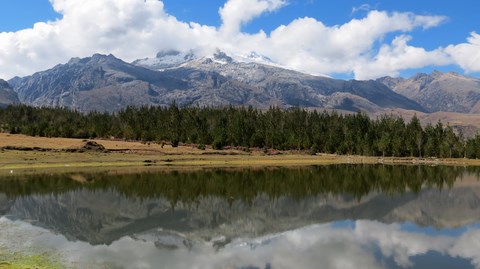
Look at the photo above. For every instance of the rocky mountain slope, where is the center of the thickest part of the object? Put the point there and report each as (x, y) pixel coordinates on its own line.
(100, 82)
(448, 92)
(271, 84)
(105, 83)
(7, 95)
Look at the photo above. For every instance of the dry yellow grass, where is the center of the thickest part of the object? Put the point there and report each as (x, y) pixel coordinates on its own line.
(68, 143)
(134, 155)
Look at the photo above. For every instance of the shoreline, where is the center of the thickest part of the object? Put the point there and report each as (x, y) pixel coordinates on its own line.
(24, 154)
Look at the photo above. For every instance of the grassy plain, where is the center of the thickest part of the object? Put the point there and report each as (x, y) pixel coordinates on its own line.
(24, 154)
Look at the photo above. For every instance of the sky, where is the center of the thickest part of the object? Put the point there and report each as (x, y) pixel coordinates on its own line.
(360, 39)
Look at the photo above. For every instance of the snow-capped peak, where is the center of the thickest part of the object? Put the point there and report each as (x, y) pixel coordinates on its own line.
(167, 59)
(194, 58)
(254, 57)
(173, 58)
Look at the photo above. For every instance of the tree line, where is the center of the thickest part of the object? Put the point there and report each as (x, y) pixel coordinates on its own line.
(247, 127)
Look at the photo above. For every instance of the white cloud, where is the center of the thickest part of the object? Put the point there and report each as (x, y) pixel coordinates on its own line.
(133, 29)
(399, 56)
(129, 29)
(235, 13)
(363, 7)
(342, 48)
(467, 55)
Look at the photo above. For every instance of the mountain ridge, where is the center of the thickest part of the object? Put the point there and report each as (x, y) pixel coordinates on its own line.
(438, 91)
(100, 82)
(106, 83)
(292, 88)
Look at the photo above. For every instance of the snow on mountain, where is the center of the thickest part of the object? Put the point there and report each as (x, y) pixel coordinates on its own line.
(174, 58)
(167, 59)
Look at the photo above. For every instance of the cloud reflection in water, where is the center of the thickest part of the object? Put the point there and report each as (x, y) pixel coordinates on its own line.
(364, 244)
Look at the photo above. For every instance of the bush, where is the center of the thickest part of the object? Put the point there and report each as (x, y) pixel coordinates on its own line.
(217, 144)
(175, 143)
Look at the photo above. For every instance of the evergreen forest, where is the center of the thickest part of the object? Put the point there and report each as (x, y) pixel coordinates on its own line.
(247, 127)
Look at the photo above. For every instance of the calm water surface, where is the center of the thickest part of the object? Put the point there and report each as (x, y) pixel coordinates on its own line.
(354, 216)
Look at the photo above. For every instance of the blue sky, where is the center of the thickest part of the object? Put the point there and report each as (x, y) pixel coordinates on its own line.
(461, 20)
(428, 28)
(20, 14)
(462, 15)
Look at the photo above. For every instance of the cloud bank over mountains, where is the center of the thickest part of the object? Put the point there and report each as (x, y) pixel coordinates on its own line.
(133, 29)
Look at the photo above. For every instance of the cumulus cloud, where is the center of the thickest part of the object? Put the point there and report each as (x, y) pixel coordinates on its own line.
(341, 48)
(467, 55)
(399, 56)
(133, 29)
(127, 28)
(235, 13)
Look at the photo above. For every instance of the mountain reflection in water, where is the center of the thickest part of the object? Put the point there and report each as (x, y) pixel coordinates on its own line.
(346, 216)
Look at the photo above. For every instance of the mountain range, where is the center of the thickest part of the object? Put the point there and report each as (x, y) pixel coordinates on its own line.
(448, 92)
(106, 83)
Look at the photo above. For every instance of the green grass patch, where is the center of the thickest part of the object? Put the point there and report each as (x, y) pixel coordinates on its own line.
(18, 261)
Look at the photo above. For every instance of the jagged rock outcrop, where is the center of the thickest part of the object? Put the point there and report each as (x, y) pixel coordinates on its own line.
(449, 92)
(7, 95)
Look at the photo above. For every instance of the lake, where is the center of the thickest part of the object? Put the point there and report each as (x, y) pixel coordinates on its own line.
(338, 216)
